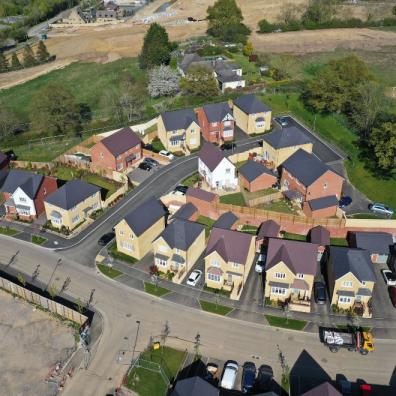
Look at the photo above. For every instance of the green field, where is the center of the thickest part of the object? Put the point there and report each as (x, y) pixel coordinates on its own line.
(108, 271)
(215, 308)
(155, 290)
(293, 324)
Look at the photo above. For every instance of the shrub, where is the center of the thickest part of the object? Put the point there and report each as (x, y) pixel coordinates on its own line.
(265, 26)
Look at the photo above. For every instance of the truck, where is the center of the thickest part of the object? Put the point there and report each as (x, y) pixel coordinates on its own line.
(351, 338)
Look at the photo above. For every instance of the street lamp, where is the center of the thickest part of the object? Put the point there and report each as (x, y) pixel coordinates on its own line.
(136, 338)
(53, 272)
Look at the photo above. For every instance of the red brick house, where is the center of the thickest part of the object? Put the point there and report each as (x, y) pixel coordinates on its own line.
(216, 122)
(305, 178)
(24, 193)
(117, 151)
(254, 176)
(321, 207)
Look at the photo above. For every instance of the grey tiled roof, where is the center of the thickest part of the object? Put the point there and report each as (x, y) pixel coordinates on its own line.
(357, 261)
(226, 220)
(251, 170)
(320, 235)
(121, 141)
(194, 386)
(145, 215)
(71, 194)
(188, 60)
(286, 137)
(216, 112)
(268, 229)
(211, 155)
(201, 194)
(374, 242)
(228, 76)
(185, 211)
(325, 389)
(28, 181)
(249, 104)
(178, 119)
(323, 202)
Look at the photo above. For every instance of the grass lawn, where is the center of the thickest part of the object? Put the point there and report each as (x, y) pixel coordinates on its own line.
(207, 222)
(250, 71)
(296, 237)
(156, 291)
(293, 324)
(113, 252)
(338, 242)
(211, 307)
(278, 206)
(364, 216)
(108, 271)
(157, 144)
(249, 229)
(38, 240)
(191, 180)
(149, 383)
(233, 199)
(8, 231)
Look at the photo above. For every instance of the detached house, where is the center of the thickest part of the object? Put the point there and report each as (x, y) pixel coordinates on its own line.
(351, 279)
(307, 179)
(280, 144)
(228, 259)
(216, 169)
(71, 204)
(24, 193)
(251, 115)
(117, 151)
(290, 268)
(136, 232)
(254, 176)
(216, 122)
(268, 229)
(179, 130)
(178, 247)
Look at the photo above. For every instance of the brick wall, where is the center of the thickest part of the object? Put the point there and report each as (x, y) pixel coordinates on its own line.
(48, 186)
(262, 182)
(321, 213)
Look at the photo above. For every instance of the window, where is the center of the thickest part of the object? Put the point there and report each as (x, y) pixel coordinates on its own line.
(121, 232)
(193, 141)
(101, 156)
(213, 124)
(161, 262)
(55, 220)
(177, 251)
(76, 218)
(280, 275)
(95, 205)
(214, 278)
(235, 265)
(215, 263)
(363, 283)
(344, 300)
(24, 212)
(192, 130)
(118, 157)
(162, 248)
(22, 199)
(175, 142)
(227, 123)
(228, 133)
(325, 186)
(278, 290)
(127, 246)
(228, 170)
(300, 276)
(119, 166)
(347, 283)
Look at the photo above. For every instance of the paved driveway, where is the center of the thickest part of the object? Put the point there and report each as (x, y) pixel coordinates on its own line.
(199, 265)
(138, 176)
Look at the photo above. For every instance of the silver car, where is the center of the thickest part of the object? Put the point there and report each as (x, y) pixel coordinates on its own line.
(381, 208)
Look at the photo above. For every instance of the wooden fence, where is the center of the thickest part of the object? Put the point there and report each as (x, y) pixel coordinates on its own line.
(264, 199)
(32, 165)
(119, 193)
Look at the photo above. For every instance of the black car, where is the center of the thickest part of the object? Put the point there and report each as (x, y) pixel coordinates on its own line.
(106, 238)
(151, 161)
(265, 375)
(228, 146)
(344, 201)
(150, 147)
(248, 377)
(182, 189)
(145, 166)
(320, 292)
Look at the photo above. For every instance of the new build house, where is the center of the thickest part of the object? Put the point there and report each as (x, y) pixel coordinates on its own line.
(216, 169)
(179, 130)
(136, 232)
(216, 122)
(351, 279)
(24, 193)
(254, 176)
(320, 236)
(118, 151)
(268, 229)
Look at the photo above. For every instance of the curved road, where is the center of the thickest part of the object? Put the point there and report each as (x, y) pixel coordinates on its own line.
(221, 337)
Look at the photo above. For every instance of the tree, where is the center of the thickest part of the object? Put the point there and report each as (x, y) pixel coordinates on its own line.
(3, 63)
(53, 291)
(226, 22)
(383, 142)
(200, 81)
(265, 26)
(15, 63)
(319, 11)
(21, 279)
(248, 49)
(55, 109)
(28, 57)
(163, 81)
(156, 48)
(42, 53)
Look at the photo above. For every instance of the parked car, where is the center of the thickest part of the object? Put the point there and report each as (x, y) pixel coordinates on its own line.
(389, 277)
(106, 238)
(150, 147)
(282, 121)
(365, 389)
(260, 263)
(344, 202)
(381, 208)
(194, 277)
(182, 189)
(145, 166)
(228, 146)
(320, 293)
(229, 375)
(211, 371)
(345, 387)
(167, 154)
(265, 376)
(392, 294)
(248, 377)
(151, 161)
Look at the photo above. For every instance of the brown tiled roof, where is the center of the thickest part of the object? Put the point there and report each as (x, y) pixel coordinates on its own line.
(299, 284)
(268, 229)
(320, 235)
(325, 389)
(201, 194)
(121, 141)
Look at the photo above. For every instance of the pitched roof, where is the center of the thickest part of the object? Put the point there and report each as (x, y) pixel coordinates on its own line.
(194, 386)
(251, 170)
(216, 112)
(71, 194)
(323, 202)
(249, 104)
(230, 245)
(201, 194)
(188, 60)
(145, 215)
(286, 137)
(211, 155)
(181, 234)
(185, 211)
(268, 229)
(325, 389)
(178, 119)
(226, 220)
(121, 141)
(374, 242)
(299, 257)
(320, 235)
(305, 167)
(29, 182)
(357, 261)
(228, 76)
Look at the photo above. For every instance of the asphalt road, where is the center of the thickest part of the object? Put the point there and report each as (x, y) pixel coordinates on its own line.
(222, 338)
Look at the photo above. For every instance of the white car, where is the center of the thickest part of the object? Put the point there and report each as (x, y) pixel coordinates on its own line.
(194, 277)
(229, 375)
(389, 277)
(167, 154)
(260, 263)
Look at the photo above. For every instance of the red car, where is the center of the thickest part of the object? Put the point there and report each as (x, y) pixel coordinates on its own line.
(392, 294)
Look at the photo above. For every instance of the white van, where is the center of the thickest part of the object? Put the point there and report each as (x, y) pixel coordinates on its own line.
(229, 375)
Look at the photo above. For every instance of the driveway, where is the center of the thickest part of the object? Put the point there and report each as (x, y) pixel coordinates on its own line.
(199, 265)
(253, 291)
(239, 134)
(138, 176)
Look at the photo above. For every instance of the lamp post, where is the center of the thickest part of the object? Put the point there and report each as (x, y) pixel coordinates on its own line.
(136, 338)
(53, 272)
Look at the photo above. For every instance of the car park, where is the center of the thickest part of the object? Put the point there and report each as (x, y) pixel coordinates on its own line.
(260, 263)
(389, 277)
(194, 278)
(248, 377)
(228, 146)
(344, 202)
(151, 161)
(106, 238)
(145, 166)
(382, 209)
(229, 375)
(320, 293)
(166, 154)
(265, 376)
(392, 295)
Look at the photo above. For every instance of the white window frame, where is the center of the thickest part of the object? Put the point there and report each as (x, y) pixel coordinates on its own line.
(347, 283)
(22, 199)
(300, 276)
(162, 262)
(280, 291)
(215, 262)
(127, 246)
(214, 278)
(175, 143)
(344, 300)
(76, 218)
(280, 275)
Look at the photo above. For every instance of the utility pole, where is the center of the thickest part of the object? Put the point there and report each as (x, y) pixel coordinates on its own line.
(53, 272)
(136, 338)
